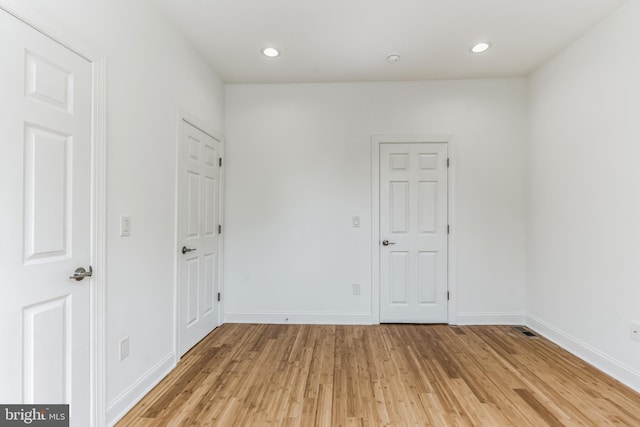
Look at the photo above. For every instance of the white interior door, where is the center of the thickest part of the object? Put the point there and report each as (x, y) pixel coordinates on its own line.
(199, 235)
(413, 233)
(45, 175)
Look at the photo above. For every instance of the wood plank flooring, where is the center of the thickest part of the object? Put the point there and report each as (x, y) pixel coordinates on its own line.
(382, 375)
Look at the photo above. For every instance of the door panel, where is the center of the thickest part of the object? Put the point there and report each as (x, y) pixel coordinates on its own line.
(49, 83)
(193, 285)
(193, 204)
(399, 206)
(428, 206)
(45, 175)
(413, 219)
(47, 333)
(400, 274)
(209, 278)
(427, 276)
(47, 194)
(211, 194)
(199, 207)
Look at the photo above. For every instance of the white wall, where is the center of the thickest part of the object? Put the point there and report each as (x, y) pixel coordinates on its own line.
(298, 167)
(583, 282)
(152, 72)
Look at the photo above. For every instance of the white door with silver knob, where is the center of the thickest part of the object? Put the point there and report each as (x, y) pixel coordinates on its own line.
(45, 175)
(198, 253)
(413, 232)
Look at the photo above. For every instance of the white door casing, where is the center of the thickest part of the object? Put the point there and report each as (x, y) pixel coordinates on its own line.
(45, 172)
(413, 220)
(198, 235)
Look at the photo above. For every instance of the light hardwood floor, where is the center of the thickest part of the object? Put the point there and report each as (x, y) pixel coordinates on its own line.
(382, 375)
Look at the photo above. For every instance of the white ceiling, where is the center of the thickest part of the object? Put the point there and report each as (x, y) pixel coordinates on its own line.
(349, 40)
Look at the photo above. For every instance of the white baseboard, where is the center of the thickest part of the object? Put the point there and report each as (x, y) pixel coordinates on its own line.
(320, 318)
(591, 355)
(126, 400)
(489, 319)
(310, 318)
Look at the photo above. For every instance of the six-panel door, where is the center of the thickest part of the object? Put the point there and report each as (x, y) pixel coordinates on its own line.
(413, 232)
(199, 207)
(45, 175)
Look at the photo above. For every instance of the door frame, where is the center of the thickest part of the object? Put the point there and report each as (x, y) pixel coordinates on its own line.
(376, 141)
(185, 116)
(98, 208)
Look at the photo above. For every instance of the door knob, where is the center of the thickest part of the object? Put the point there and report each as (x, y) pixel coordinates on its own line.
(186, 250)
(81, 273)
(387, 243)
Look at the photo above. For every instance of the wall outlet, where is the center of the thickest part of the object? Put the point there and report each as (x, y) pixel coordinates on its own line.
(635, 331)
(124, 348)
(356, 289)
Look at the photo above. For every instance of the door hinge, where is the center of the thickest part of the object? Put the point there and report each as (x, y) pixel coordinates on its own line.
(447, 296)
(220, 161)
(219, 229)
(448, 162)
(448, 229)
(219, 296)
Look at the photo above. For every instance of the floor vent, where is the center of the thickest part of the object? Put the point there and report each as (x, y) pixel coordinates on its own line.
(525, 331)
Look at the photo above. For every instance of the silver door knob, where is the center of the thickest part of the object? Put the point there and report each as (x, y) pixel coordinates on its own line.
(387, 243)
(81, 273)
(186, 250)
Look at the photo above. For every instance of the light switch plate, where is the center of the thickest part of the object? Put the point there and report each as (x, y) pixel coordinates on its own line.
(355, 222)
(125, 226)
(124, 348)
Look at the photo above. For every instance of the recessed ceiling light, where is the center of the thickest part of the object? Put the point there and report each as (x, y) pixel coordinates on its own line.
(393, 57)
(270, 52)
(480, 47)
